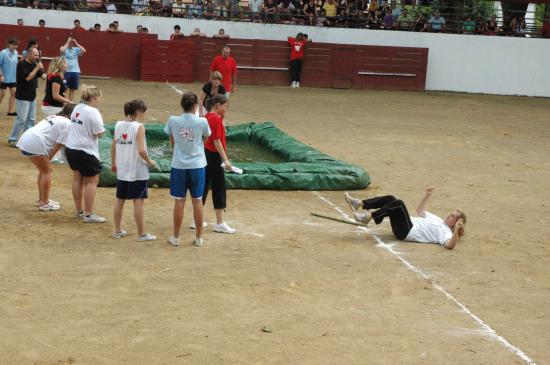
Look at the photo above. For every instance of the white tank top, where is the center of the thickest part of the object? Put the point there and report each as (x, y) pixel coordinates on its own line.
(130, 165)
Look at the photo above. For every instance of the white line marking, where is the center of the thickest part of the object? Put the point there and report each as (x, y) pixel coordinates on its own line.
(487, 330)
(175, 89)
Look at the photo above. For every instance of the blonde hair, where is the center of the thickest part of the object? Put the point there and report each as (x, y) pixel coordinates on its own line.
(216, 75)
(90, 92)
(461, 216)
(56, 66)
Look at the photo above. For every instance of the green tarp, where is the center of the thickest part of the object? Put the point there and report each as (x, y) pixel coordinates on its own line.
(305, 168)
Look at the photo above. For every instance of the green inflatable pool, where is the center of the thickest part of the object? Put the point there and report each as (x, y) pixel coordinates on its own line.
(270, 159)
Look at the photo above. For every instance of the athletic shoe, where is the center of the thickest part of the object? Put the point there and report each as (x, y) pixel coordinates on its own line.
(198, 242)
(173, 241)
(354, 204)
(193, 226)
(14, 114)
(293, 85)
(120, 234)
(223, 228)
(147, 237)
(12, 143)
(79, 215)
(362, 217)
(57, 161)
(297, 84)
(48, 207)
(93, 218)
(53, 202)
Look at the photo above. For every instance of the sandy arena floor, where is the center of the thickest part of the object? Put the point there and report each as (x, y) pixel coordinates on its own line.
(331, 294)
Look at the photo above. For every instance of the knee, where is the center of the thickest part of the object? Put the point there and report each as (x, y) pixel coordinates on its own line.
(399, 202)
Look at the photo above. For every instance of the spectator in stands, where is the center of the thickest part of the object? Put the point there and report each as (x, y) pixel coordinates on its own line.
(492, 26)
(96, 28)
(226, 65)
(297, 46)
(112, 28)
(221, 34)
(8, 69)
(310, 12)
(94, 6)
(178, 9)
(481, 27)
(373, 6)
(110, 7)
(353, 11)
(468, 26)
(42, 23)
(145, 30)
(139, 6)
(511, 28)
(521, 29)
(209, 10)
(195, 9)
(255, 7)
(331, 8)
(436, 23)
(284, 10)
(72, 51)
(405, 21)
(389, 20)
(77, 26)
(395, 9)
(116, 24)
(220, 9)
(341, 20)
(421, 25)
(375, 21)
(54, 98)
(139, 29)
(545, 30)
(177, 33)
(211, 88)
(20, 22)
(197, 33)
(270, 11)
(28, 71)
(322, 20)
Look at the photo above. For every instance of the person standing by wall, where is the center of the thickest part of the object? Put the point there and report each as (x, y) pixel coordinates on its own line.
(227, 66)
(28, 72)
(8, 71)
(296, 56)
(72, 50)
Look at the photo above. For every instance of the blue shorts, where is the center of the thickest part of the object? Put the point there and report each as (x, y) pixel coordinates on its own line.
(28, 154)
(72, 79)
(130, 190)
(182, 180)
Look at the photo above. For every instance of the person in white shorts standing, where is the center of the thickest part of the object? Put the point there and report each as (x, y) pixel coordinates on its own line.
(130, 161)
(40, 143)
(82, 152)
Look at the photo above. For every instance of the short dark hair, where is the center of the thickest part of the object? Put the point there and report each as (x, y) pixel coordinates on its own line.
(134, 106)
(188, 101)
(215, 100)
(111, 25)
(97, 25)
(31, 43)
(13, 40)
(41, 21)
(177, 27)
(115, 22)
(67, 110)
(76, 20)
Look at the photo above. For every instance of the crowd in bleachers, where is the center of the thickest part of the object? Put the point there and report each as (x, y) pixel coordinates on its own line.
(371, 14)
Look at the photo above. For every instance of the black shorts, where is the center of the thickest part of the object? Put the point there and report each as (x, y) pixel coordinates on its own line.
(87, 165)
(4, 86)
(131, 189)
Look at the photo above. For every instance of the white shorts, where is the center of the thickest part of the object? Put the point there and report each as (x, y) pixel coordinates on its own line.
(50, 110)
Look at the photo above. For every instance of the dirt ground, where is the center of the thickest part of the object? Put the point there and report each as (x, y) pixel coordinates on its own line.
(329, 293)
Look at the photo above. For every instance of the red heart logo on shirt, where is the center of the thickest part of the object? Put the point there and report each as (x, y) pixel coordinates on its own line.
(124, 136)
(77, 115)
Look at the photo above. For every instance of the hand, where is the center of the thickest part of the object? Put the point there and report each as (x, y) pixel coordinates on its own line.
(227, 165)
(459, 224)
(40, 65)
(152, 164)
(113, 168)
(429, 190)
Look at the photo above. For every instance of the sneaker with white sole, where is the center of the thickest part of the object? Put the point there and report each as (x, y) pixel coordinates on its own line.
(297, 84)
(362, 217)
(223, 228)
(173, 241)
(120, 234)
(53, 202)
(79, 215)
(93, 218)
(48, 207)
(147, 237)
(193, 225)
(354, 204)
(198, 242)
(293, 85)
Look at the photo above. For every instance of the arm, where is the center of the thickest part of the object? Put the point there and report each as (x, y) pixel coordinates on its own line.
(219, 148)
(234, 79)
(54, 150)
(202, 96)
(113, 154)
(56, 95)
(457, 235)
(140, 139)
(171, 139)
(33, 73)
(64, 47)
(421, 209)
(82, 49)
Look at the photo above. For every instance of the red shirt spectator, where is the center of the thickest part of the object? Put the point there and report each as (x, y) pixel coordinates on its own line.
(218, 132)
(227, 66)
(296, 48)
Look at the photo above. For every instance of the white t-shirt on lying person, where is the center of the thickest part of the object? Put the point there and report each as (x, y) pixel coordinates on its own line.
(40, 139)
(86, 121)
(430, 229)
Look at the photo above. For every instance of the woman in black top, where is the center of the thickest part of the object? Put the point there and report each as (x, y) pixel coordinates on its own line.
(211, 88)
(55, 88)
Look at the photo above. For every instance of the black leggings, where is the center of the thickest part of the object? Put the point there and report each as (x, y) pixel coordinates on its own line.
(395, 209)
(215, 179)
(295, 70)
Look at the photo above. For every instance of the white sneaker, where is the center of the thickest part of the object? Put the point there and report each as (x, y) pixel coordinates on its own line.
(53, 202)
(48, 207)
(147, 237)
(362, 217)
(119, 235)
(354, 204)
(79, 215)
(93, 218)
(198, 242)
(173, 241)
(223, 228)
(193, 226)
(297, 84)
(293, 85)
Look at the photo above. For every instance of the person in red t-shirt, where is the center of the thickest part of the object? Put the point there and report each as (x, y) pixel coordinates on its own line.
(215, 151)
(296, 55)
(227, 66)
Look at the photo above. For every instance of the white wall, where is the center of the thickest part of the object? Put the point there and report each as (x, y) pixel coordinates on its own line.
(474, 64)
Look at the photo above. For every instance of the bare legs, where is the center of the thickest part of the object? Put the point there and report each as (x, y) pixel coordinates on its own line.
(11, 102)
(179, 204)
(44, 180)
(138, 215)
(84, 190)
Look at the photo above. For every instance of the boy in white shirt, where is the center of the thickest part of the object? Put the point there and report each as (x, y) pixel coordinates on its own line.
(130, 161)
(426, 228)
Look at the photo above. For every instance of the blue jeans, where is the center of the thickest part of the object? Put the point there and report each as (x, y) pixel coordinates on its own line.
(26, 115)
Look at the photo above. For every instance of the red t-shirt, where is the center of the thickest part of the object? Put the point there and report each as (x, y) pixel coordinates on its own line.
(218, 131)
(227, 67)
(296, 48)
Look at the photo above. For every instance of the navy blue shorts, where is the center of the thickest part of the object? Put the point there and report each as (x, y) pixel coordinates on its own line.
(8, 85)
(28, 154)
(129, 190)
(182, 180)
(72, 80)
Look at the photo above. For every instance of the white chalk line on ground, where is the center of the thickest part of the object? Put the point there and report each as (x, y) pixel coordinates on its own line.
(487, 330)
(175, 88)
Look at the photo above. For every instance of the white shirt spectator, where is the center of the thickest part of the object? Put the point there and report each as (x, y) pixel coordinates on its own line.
(111, 8)
(139, 6)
